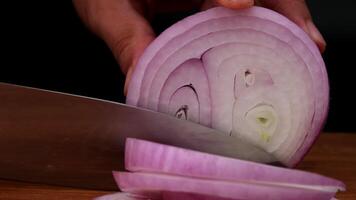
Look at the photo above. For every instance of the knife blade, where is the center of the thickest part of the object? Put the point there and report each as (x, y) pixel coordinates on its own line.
(62, 139)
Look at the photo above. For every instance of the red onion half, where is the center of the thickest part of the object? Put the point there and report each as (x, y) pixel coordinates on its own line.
(252, 74)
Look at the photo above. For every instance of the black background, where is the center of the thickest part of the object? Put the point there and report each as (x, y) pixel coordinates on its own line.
(44, 44)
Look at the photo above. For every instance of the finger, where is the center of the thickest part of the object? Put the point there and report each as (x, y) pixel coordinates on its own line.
(298, 12)
(121, 25)
(235, 4)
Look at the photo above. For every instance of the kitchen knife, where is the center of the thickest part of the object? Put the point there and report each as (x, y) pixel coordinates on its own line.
(56, 138)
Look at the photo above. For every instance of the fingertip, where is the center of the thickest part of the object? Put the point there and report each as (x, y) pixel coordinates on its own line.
(236, 4)
(316, 35)
(321, 45)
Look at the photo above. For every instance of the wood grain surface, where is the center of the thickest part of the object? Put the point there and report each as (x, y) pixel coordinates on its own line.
(334, 155)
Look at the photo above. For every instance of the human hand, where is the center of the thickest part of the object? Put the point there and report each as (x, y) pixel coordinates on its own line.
(124, 24)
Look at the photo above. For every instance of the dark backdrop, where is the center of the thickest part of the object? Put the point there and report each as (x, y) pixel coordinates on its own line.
(44, 44)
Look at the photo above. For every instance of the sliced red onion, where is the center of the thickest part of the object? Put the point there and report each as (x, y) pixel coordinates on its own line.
(154, 184)
(251, 73)
(162, 195)
(122, 196)
(190, 196)
(150, 157)
(163, 172)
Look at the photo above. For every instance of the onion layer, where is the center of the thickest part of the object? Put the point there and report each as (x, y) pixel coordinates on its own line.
(150, 157)
(163, 172)
(150, 184)
(252, 74)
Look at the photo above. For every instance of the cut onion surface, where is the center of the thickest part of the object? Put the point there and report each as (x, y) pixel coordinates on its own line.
(252, 74)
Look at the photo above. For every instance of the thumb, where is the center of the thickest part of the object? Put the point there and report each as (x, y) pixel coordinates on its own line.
(120, 24)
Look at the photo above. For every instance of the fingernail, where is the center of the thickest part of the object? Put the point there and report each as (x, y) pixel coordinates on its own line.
(316, 35)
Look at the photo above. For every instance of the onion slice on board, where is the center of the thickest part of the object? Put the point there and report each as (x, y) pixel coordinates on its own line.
(163, 172)
(122, 196)
(252, 74)
(152, 185)
(163, 195)
(151, 157)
